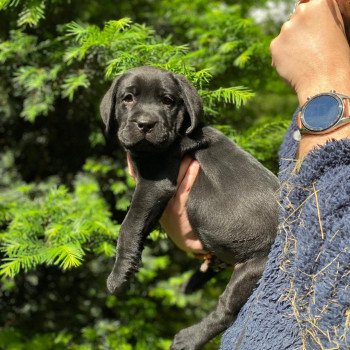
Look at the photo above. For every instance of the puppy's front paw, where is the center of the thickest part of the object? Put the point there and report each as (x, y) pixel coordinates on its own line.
(115, 284)
(188, 339)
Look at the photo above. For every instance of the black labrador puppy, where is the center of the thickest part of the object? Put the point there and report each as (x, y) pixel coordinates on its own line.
(232, 207)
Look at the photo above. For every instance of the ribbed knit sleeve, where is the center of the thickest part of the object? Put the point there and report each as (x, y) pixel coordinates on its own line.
(303, 298)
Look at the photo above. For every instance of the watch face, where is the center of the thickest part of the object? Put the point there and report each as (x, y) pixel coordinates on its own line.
(322, 112)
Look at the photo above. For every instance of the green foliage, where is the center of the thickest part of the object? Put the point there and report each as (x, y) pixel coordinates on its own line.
(238, 96)
(65, 189)
(218, 34)
(72, 83)
(122, 44)
(54, 226)
(32, 13)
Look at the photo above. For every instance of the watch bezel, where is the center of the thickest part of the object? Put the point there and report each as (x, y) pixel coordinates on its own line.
(340, 114)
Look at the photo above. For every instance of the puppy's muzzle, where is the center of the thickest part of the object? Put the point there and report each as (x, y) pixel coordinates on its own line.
(145, 132)
(146, 124)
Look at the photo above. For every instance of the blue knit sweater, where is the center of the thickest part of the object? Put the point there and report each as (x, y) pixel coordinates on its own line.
(303, 298)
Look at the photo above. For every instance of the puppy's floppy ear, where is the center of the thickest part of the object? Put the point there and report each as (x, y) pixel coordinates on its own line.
(192, 101)
(107, 108)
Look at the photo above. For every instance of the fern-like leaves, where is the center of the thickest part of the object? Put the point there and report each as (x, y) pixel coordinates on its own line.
(237, 95)
(56, 228)
(32, 13)
(72, 83)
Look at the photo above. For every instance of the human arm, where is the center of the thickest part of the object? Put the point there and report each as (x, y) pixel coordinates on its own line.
(312, 54)
(303, 297)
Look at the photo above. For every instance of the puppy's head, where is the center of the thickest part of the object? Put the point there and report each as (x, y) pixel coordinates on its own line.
(149, 108)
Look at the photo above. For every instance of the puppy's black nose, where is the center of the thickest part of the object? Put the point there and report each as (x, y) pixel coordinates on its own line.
(146, 125)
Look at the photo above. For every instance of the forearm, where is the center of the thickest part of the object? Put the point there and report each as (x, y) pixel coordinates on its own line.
(312, 54)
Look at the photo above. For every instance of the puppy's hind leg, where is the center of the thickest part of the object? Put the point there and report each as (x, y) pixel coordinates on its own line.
(241, 285)
(198, 280)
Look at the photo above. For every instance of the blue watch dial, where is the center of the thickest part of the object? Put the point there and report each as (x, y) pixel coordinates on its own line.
(322, 112)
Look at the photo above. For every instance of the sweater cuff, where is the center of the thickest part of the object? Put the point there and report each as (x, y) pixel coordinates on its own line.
(334, 153)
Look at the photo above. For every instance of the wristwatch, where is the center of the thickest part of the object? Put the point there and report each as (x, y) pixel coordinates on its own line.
(324, 113)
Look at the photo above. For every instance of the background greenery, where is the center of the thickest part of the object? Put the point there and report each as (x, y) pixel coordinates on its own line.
(64, 189)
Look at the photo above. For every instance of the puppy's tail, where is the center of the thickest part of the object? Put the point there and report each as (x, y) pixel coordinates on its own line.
(198, 280)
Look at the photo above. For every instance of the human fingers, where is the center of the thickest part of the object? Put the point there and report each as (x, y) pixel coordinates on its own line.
(297, 3)
(175, 219)
(177, 205)
(187, 182)
(185, 163)
(344, 7)
(130, 167)
(187, 175)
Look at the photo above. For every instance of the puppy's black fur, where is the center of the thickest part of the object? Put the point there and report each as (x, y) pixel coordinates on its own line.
(232, 207)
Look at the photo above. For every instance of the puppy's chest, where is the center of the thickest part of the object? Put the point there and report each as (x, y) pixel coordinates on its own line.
(155, 169)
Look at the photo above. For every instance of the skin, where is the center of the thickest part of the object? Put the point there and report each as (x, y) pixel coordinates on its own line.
(312, 55)
(174, 218)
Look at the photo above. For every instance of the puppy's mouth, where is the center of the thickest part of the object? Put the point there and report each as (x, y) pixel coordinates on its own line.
(152, 141)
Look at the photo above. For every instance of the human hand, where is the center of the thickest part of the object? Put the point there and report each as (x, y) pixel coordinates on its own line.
(174, 219)
(312, 53)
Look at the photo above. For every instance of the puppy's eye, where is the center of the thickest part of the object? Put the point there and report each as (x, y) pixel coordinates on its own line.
(128, 98)
(167, 100)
